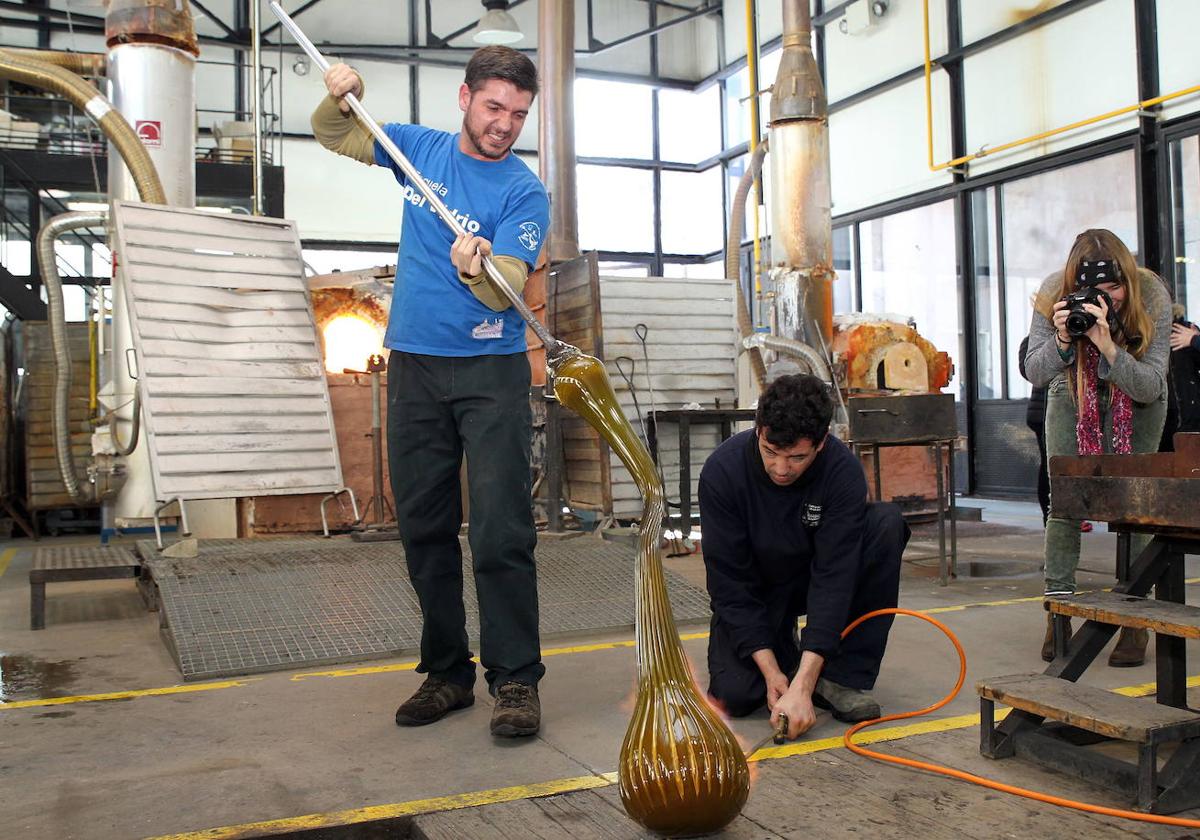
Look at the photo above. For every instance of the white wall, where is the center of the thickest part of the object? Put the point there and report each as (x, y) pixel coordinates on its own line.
(1050, 77)
(1178, 68)
(878, 150)
(335, 198)
(895, 44)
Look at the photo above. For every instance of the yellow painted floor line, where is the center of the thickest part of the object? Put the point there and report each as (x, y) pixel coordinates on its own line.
(6, 558)
(401, 809)
(125, 695)
(560, 786)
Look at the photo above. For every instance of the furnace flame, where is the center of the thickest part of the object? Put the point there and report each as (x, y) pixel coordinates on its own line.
(349, 341)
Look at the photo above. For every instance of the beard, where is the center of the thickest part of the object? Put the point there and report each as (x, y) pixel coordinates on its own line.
(479, 137)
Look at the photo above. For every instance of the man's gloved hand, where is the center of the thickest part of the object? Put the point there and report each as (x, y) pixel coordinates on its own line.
(467, 254)
(341, 79)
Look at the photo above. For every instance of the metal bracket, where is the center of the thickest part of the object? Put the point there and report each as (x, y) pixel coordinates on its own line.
(187, 532)
(334, 495)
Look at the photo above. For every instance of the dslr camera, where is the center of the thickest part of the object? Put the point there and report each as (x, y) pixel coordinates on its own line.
(1091, 275)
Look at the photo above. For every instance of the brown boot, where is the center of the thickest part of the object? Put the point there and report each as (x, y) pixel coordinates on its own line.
(1048, 644)
(1131, 648)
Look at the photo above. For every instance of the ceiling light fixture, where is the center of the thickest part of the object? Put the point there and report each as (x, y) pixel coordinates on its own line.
(300, 66)
(497, 26)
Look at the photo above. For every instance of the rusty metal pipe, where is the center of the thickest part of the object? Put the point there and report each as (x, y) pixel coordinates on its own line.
(801, 221)
(556, 55)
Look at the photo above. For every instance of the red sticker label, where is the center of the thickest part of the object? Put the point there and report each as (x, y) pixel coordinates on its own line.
(150, 132)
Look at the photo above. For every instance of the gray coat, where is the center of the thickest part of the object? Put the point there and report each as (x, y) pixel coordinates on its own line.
(1144, 380)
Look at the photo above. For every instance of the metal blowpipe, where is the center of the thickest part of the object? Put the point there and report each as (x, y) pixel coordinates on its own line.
(556, 350)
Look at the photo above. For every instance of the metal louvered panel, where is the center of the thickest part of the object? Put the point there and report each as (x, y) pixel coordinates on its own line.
(690, 339)
(234, 394)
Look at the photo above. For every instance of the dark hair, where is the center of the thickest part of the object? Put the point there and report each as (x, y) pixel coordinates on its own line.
(499, 62)
(795, 407)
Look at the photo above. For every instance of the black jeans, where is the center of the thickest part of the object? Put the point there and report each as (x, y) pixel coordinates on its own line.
(439, 408)
(738, 685)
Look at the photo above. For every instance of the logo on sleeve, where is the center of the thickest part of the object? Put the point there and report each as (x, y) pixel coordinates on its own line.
(811, 516)
(531, 235)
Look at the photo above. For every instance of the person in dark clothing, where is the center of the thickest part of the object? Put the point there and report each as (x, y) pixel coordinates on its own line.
(1183, 380)
(788, 532)
(1035, 419)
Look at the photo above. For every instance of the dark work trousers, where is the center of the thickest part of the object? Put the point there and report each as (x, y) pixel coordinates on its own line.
(1043, 484)
(738, 685)
(439, 408)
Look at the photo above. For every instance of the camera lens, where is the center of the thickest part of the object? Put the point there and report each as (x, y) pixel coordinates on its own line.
(1079, 322)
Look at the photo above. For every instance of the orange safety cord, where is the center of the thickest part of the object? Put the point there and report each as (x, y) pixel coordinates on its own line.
(971, 777)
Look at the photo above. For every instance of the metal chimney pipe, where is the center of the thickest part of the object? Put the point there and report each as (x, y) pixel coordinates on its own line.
(801, 225)
(556, 141)
(256, 109)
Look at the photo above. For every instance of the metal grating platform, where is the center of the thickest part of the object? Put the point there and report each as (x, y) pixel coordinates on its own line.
(83, 557)
(247, 606)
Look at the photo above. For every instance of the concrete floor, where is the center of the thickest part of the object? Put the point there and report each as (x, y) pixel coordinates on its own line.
(273, 748)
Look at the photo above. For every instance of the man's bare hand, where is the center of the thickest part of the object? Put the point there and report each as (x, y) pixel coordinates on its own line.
(341, 79)
(777, 686)
(797, 705)
(467, 254)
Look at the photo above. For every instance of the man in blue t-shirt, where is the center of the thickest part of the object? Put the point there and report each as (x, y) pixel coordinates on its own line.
(458, 382)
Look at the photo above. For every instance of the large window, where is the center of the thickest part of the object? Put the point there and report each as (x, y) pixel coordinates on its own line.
(616, 208)
(989, 310)
(691, 212)
(1039, 219)
(844, 292)
(1185, 206)
(613, 119)
(910, 270)
(689, 124)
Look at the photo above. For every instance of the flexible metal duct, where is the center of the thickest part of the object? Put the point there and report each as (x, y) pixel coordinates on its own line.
(47, 238)
(39, 74)
(791, 347)
(733, 250)
(85, 64)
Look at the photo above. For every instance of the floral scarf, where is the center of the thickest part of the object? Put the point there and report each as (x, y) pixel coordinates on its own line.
(1088, 429)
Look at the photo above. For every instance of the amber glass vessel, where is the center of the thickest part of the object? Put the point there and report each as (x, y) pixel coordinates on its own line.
(681, 770)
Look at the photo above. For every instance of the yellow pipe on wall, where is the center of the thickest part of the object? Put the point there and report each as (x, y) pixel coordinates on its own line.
(1033, 138)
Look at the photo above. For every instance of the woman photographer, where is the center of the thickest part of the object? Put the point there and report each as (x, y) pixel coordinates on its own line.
(1099, 343)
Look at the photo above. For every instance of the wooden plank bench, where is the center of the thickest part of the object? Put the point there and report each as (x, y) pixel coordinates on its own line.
(75, 563)
(1164, 617)
(1106, 714)
(1135, 719)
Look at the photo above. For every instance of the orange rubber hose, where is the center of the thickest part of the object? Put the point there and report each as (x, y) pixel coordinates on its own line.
(971, 777)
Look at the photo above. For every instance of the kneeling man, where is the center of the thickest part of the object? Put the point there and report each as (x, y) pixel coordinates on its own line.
(788, 532)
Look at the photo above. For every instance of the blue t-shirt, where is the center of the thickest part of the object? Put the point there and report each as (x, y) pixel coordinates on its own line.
(433, 312)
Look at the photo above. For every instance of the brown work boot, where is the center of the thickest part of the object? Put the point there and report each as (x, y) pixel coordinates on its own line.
(1131, 648)
(1048, 644)
(518, 711)
(849, 705)
(435, 699)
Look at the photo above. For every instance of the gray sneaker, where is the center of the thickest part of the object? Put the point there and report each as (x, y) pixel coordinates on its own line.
(518, 711)
(435, 699)
(849, 705)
